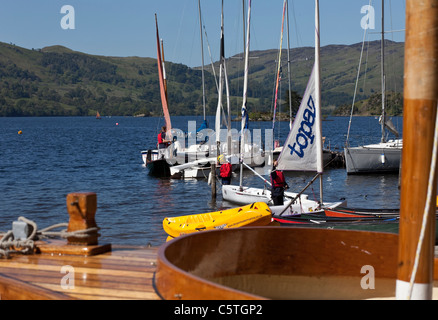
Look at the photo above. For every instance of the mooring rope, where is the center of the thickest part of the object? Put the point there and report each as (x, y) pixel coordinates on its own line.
(10, 245)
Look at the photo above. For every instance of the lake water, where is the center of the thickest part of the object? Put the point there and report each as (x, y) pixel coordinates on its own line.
(56, 156)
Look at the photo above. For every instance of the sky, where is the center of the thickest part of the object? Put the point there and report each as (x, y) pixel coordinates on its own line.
(127, 27)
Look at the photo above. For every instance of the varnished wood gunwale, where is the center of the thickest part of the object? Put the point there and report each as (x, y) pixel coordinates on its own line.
(174, 283)
(124, 273)
(187, 266)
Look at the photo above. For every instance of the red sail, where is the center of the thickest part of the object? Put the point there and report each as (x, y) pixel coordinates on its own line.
(162, 84)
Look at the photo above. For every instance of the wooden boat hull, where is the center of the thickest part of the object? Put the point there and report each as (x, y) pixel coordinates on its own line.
(375, 224)
(256, 214)
(360, 212)
(159, 168)
(245, 263)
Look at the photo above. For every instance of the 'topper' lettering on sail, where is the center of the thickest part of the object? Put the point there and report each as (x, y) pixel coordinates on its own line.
(305, 132)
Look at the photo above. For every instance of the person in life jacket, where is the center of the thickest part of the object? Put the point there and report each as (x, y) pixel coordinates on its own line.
(279, 184)
(225, 171)
(162, 142)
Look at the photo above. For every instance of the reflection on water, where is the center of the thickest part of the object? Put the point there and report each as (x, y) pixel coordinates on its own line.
(375, 191)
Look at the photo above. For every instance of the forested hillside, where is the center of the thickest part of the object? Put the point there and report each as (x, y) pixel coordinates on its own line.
(56, 81)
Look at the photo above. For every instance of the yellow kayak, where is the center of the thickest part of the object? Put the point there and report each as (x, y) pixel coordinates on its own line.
(256, 214)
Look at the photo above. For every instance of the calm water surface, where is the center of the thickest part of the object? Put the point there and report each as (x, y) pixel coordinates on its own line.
(56, 156)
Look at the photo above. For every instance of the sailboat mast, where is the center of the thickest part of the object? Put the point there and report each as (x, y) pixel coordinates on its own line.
(202, 54)
(245, 89)
(318, 131)
(161, 81)
(288, 64)
(164, 69)
(227, 89)
(278, 66)
(221, 83)
(244, 21)
(420, 111)
(382, 67)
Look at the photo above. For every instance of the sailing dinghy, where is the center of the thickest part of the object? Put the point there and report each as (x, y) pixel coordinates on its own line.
(155, 160)
(302, 150)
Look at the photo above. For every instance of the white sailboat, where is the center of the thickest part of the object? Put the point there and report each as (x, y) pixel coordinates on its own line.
(200, 167)
(228, 147)
(303, 149)
(379, 157)
(175, 155)
(155, 160)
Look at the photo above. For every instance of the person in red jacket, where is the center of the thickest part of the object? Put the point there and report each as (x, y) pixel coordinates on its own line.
(225, 170)
(162, 142)
(279, 184)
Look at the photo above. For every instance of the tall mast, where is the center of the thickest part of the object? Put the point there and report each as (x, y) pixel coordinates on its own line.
(161, 81)
(278, 66)
(202, 53)
(245, 89)
(318, 131)
(288, 64)
(419, 114)
(382, 57)
(221, 83)
(244, 21)
(164, 69)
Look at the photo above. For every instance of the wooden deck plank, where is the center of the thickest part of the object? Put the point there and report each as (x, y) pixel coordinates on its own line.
(57, 268)
(144, 266)
(123, 273)
(116, 293)
(91, 280)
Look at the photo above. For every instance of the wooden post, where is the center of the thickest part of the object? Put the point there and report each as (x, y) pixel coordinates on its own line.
(82, 208)
(420, 108)
(213, 181)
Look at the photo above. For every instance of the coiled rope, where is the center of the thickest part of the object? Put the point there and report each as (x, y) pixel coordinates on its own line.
(10, 245)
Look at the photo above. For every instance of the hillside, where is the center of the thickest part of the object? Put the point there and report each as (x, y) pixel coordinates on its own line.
(339, 66)
(56, 81)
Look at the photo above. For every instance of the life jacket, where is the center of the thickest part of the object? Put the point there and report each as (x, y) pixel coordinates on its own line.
(277, 179)
(160, 137)
(225, 171)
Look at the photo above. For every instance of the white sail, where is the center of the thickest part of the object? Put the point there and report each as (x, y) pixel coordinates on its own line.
(300, 151)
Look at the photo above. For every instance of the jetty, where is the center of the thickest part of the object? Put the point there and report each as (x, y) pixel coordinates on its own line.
(124, 273)
(75, 266)
(195, 267)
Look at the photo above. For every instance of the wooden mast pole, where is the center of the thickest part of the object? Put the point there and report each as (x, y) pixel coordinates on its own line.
(420, 108)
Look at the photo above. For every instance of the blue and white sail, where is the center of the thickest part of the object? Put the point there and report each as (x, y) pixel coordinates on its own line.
(302, 148)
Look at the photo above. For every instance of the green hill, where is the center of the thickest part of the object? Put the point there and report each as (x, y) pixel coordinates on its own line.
(339, 65)
(56, 81)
